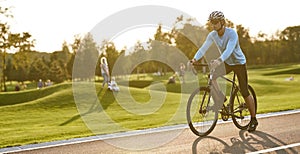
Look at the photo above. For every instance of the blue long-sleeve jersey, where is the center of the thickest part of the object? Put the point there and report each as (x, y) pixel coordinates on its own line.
(228, 45)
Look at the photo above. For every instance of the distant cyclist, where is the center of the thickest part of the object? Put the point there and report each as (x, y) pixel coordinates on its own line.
(226, 39)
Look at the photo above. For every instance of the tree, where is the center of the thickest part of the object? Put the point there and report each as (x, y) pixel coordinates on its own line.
(137, 58)
(56, 72)
(10, 41)
(291, 36)
(63, 57)
(122, 61)
(162, 36)
(4, 44)
(38, 70)
(244, 40)
(86, 59)
(190, 37)
(22, 43)
(75, 46)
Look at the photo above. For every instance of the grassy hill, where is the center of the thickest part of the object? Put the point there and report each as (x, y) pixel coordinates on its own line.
(36, 116)
(52, 113)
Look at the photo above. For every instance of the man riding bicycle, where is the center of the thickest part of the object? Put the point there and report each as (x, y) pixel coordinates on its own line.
(226, 39)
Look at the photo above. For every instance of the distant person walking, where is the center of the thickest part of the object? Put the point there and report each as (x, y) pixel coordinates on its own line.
(40, 84)
(182, 72)
(104, 71)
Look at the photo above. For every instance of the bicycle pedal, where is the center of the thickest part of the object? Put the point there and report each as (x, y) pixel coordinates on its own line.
(225, 117)
(225, 99)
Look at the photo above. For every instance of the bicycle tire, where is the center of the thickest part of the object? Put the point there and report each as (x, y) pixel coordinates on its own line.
(240, 113)
(201, 114)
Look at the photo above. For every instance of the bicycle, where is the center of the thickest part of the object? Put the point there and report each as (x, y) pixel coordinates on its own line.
(202, 111)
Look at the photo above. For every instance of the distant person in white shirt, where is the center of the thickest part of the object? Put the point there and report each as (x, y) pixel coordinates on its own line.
(104, 71)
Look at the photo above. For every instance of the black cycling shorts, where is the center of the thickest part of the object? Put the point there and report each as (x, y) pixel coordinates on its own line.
(241, 73)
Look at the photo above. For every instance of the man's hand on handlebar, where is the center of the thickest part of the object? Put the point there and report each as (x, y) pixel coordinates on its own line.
(193, 61)
(215, 63)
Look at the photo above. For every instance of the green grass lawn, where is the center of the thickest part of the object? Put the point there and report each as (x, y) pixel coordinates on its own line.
(52, 113)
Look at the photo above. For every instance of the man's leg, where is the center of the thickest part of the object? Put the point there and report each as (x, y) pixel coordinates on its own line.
(104, 80)
(251, 106)
(218, 96)
(220, 71)
(241, 72)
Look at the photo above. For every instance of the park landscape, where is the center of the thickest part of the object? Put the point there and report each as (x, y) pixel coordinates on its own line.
(34, 115)
(49, 114)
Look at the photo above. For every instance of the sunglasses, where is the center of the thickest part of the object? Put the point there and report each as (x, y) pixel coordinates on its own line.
(214, 22)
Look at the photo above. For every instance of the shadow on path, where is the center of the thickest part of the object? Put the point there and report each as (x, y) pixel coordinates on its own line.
(248, 142)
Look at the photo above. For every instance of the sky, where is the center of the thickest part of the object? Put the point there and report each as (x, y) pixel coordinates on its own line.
(51, 22)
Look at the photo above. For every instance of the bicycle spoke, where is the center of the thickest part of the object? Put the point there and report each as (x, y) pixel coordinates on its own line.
(200, 113)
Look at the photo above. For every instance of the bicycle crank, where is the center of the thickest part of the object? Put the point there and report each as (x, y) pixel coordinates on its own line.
(224, 115)
(202, 111)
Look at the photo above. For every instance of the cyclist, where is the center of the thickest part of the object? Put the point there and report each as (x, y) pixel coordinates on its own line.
(226, 39)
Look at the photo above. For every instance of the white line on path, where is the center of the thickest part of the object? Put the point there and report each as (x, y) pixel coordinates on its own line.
(276, 148)
(123, 134)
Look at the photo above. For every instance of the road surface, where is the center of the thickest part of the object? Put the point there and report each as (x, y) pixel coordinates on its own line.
(275, 134)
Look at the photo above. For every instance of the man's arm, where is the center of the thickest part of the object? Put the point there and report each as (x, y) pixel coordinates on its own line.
(202, 50)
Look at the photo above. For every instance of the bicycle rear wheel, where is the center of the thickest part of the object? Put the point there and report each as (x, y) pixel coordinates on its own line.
(201, 113)
(241, 115)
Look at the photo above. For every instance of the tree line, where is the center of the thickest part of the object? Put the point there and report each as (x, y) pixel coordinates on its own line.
(72, 61)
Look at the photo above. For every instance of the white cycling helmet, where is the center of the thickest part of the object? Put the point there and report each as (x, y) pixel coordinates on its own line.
(216, 15)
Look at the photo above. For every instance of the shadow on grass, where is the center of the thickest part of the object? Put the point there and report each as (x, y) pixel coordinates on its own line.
(106, 99)
(136, 83)
(290, 71)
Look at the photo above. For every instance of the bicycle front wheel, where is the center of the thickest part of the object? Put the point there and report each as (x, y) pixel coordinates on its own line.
(241, 114)
(202, 115)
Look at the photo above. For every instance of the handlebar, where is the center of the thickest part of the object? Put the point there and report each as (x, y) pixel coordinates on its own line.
(211, 71)
(199, 64)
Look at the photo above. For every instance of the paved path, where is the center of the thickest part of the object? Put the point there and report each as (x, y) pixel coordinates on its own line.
(276, 133)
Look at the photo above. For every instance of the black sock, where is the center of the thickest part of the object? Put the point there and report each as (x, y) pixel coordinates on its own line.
(253, 118)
